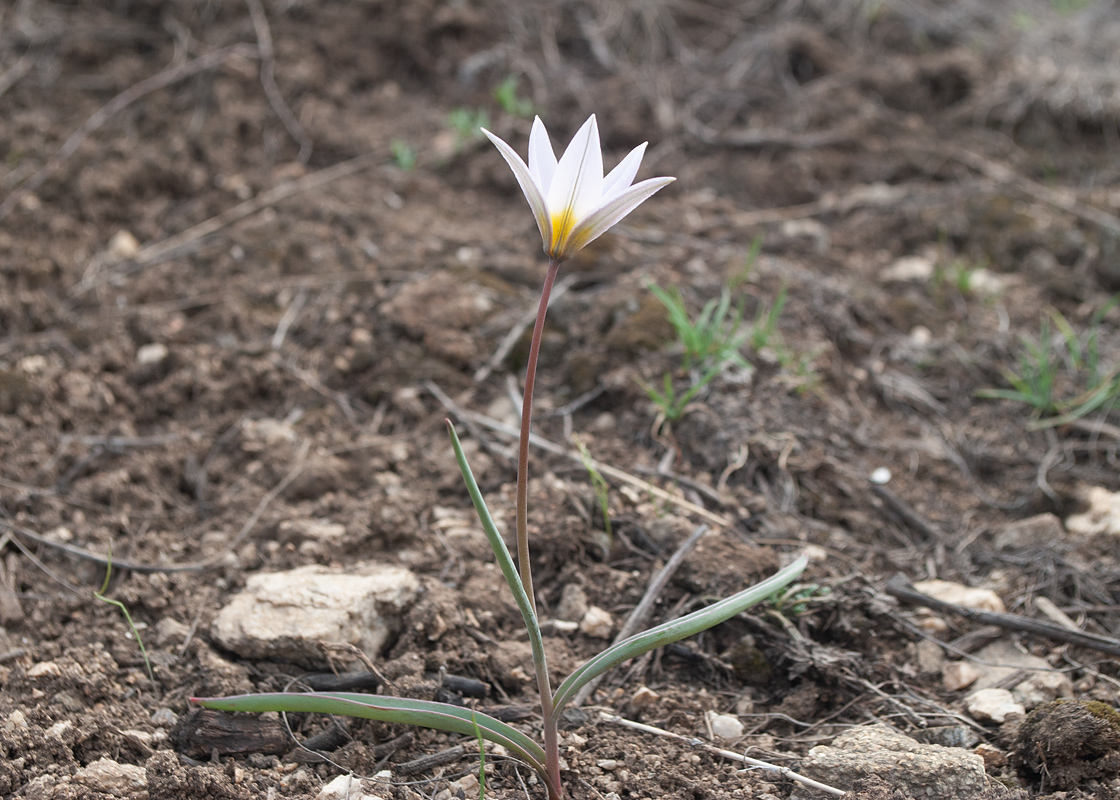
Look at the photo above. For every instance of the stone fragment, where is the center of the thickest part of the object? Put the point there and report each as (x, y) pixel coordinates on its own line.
(152, 353)
(992, 705)
(961, 595)
(315, 529)
(642, 699)
(44, 669)
(285, 615)
(908, 268)
(1001, 659)
(1041, 530)
(597, 623)
(724, 726)
(344, 787)
(959, 674)
(1102, 516)
(573, 603)
(881, 476)
(170, 631)
(123, 246)
(109, 777)
(918, 770)
(930, 656)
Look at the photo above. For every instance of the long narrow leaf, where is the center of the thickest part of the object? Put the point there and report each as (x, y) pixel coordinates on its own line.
(404, 710)
(501, 552)
(675, 631)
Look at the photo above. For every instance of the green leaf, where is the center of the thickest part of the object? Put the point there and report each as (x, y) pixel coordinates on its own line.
(675, 630)
(501, 553)
(404, 710)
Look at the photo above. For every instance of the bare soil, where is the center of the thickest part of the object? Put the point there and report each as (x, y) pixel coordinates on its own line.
(207, 331)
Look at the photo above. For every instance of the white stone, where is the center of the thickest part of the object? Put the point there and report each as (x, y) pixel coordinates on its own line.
(724, 726)
(983, 281)
(32, 364)
(992, 705)
(45, 669)
(15, 720)
(124, 245)
(1102, 516)
(961, 595)
(929, 655)
(643, 699)
(881, 476)
(318, 529)
(285, 615)
(597, 623)
(152, 353)
(344, 787)
(908, 268)
(920, 335)
(959, 674)
(57, 730)
(918, 770)
(573, 603)
(1041, 530)
(1002, 659)
(1042, 687)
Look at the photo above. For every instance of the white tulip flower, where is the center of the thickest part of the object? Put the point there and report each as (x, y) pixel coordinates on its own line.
(572, 201)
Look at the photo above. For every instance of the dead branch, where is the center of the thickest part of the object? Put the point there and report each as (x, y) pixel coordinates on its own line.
(900, 587)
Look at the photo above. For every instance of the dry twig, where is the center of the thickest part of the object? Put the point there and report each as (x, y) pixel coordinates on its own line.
(785, 772)
(900, 587)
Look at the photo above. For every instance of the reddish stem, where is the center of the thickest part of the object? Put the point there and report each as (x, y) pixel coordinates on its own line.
(551, 741)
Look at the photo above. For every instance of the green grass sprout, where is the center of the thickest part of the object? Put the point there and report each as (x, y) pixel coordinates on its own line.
(1060, 375)
(481, 757)
(100, 595)
(466, 124)
(404, 155)
(602, 488)
(505, 94)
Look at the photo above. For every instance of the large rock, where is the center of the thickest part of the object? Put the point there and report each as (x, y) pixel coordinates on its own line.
(919, 770)
(284, 616)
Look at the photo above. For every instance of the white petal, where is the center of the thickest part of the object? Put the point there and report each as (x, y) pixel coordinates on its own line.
(577, 186)
(542, 160)
(612, 213)
(620, 178)
(528, 186)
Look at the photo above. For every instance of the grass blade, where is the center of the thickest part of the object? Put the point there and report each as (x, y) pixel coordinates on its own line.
(404, 710)
(676, 630)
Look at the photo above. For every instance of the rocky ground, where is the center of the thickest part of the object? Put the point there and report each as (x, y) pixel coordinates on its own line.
(253, 254)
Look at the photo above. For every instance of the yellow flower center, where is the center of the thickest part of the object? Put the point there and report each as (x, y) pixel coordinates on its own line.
(562, 224)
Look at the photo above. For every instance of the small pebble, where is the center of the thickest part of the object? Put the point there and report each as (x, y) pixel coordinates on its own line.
(881, 476)
(725, 726)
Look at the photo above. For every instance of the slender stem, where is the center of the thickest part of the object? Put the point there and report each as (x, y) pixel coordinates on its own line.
(551, 740)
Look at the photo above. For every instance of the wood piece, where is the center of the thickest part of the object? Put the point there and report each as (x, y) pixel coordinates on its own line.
(202, 733)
